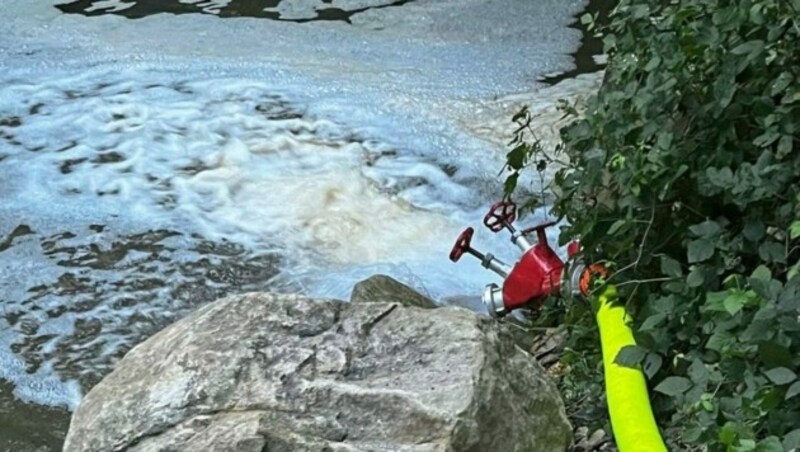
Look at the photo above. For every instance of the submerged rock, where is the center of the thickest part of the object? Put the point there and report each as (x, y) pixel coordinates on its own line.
(260, 372)
(382, 288)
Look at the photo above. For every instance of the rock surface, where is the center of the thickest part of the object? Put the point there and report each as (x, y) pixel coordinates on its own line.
(262, 372)
(382, 288)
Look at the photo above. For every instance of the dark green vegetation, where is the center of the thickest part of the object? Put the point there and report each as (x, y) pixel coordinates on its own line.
(684, 175)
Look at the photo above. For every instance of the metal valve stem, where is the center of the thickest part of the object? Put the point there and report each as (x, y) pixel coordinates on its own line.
(492, 263)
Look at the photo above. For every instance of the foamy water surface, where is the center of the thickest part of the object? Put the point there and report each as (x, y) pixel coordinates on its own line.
(148, 166)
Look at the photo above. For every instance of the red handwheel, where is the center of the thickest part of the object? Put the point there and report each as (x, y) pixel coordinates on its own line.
(544, 225)
(462, 245)
(500, 215)
(541, 236)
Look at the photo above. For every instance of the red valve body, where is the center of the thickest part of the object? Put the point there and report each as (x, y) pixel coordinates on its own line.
(536, 276)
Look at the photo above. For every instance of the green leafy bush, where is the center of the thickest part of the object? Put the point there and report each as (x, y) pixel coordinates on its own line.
(684, 174)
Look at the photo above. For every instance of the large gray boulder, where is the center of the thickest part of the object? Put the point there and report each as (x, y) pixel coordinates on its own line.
(262, 372)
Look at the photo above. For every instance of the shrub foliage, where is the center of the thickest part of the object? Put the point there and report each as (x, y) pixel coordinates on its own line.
(684, 174)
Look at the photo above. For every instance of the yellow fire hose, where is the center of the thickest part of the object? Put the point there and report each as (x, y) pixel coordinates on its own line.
(629, 408)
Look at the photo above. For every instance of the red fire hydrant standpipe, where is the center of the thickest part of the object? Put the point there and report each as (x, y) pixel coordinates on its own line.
(530, 281)
(541, 273)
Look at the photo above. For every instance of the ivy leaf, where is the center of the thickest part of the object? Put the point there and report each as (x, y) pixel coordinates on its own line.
(706, 229)
(781, 83)
(652, 64)
(794, 271)
(794, 230)
(762, 273)
(727, 434)
(670, 267)
(700, 250)
(793, 390)
(745, 445)
(773, 354)
(698, 372)
(724, 89)
(791, 440)
(722, 177)
(516, 157)
(753, 229)
(767, 138)
(770, 444)
(696, 277)
(715, 300)
(734, 302)
(719, 340)
(673, 386)
(511, 183)
(785, 145)
(772, 252)
(781, 375)
(616, 227)
(630, 356)
(749, 47)
(652, 364)
(653, 321)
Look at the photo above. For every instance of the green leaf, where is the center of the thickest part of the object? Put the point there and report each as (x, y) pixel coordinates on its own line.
(745, 445)
(630, 356)
(715, 301)
(698, 372)
(794, 271)
(724, 89)
(766, 313)
(762, 273)
(670, 267)
(749, 47)
(773, 354)
(673, 386)
(772, 252)
(696, 277)
(793, 390)
(727, 434)
(720, 340)
(706, 229)
(791, 440)
(652, 363)
(770, 444)
(616, 226)
(794, 230)
(767, 138)
(720, 177)
(700, 250)
(785, 145)
(734, 302)
(511, 183)
(586, 19)
(781, 375)
(652, 322)
(753, 229)
(515, 159)
(652, 64)
(780, 83)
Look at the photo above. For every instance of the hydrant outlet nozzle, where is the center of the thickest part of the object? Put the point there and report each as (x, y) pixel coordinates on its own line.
(493, 300)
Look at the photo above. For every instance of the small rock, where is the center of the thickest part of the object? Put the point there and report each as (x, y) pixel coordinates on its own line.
(382, 288)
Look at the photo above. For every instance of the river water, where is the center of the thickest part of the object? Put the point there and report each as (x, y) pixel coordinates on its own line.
(157, 155)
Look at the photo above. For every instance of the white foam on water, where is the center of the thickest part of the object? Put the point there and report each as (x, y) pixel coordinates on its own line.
(164, 161)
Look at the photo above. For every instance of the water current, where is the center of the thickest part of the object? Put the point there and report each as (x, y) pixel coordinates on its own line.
(157, 155)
